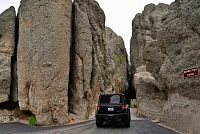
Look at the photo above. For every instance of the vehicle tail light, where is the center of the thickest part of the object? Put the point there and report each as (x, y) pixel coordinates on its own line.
(98, 107)
(123, 107)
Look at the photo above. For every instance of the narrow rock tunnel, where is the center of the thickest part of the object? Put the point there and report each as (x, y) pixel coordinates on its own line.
(131, 92)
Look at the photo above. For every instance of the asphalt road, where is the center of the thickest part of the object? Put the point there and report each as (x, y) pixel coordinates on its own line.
(137, 127)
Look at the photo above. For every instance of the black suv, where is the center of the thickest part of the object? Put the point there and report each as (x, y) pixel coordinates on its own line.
(112, 107)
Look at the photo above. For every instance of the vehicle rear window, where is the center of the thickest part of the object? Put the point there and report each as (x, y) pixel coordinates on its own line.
(113, 99)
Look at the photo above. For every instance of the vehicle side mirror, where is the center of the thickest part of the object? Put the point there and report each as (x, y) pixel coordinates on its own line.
(127, 106)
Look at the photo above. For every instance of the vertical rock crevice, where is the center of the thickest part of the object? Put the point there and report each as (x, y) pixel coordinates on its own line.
(85, 63)
(14, 80)
(98, 64)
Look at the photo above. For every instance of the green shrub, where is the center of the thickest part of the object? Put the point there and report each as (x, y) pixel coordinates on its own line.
(133, 103)
(32, 120)
(121, 59)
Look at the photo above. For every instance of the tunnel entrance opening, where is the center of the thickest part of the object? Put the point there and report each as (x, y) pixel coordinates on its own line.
(130, 94)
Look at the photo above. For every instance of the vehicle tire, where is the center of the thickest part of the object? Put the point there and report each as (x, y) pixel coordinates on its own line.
(99, 123)
(127, 123)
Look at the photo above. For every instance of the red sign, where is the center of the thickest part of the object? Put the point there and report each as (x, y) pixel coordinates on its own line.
(191, 72)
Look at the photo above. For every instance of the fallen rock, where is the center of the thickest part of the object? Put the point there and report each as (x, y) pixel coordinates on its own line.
(43, 59)
(150, 98)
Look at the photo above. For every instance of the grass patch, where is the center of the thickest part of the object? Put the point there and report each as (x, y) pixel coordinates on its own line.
(121, 59)
(32, 120)
(133, 103)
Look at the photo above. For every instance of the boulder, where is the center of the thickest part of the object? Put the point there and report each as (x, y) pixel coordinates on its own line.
(150, 98)
(7, 46)
(43, 59)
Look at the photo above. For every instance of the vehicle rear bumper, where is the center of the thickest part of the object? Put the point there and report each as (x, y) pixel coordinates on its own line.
(113, 117)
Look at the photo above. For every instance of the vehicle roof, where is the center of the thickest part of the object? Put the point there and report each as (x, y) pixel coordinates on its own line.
(112, 94)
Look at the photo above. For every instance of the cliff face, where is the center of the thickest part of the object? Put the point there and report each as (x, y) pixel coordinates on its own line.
(179, 42)
(175, 48)
(144, 47)
(146, 59)
(117, 67)
(93, 59)
(7, 46)
(54, 54)
(43, 58)
(88, 57)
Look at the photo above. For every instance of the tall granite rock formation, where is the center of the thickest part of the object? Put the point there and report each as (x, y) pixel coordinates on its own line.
(36, 73)
(117, 67)
(146, 58)
(43, 59)
(179, 42)
(144, 48)
(7, 46)
(88, 58)
(95, 61)
(175, 48)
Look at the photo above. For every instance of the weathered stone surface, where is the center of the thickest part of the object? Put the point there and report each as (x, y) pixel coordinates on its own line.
(179, 41)
(117, 66)
(43, 59)
(144, 47)
(177, 48)
(7, 115)
(146, 59)
(182, 114)
(150, 100)
(99, 59)
(88, 54)
(7, 46)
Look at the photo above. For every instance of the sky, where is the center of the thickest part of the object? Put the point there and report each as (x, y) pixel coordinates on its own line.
(119, 14)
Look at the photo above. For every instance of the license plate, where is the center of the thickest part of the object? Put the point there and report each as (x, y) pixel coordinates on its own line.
(111, 109)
